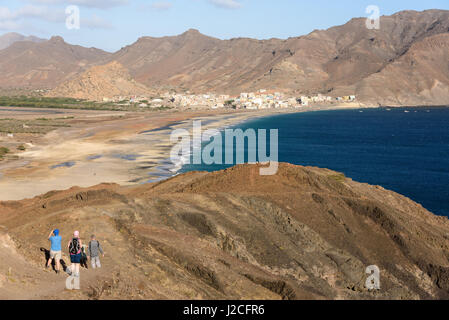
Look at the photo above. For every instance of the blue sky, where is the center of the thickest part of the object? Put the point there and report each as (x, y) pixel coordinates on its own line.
(112, 24)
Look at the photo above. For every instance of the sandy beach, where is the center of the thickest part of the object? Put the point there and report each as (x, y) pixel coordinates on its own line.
(105, 147)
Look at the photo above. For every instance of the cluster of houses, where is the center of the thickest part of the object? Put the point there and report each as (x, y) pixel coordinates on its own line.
(264, 100)
(251, 101)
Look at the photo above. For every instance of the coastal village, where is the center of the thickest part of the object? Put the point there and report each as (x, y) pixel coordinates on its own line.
(259, 100)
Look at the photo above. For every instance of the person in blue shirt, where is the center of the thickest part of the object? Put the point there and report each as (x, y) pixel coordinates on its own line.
(55, 251)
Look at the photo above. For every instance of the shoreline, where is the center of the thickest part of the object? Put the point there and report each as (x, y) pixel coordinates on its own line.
(129, 150)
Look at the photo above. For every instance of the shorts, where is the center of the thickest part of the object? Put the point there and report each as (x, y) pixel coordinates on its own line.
(75, 258)
(95, 261)
(57, 255)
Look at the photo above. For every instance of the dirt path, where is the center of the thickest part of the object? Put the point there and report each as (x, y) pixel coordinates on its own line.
(24, 278)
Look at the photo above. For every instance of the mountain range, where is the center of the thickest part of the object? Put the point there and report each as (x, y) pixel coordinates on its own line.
(405, 62)
(9, 38)
(46, 64)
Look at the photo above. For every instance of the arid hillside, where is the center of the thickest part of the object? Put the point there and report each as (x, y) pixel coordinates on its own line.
(9, 38)
(193, 61)
(421, 75)
(333, 61)
(46, 64)
(305, 233)
(99, 82)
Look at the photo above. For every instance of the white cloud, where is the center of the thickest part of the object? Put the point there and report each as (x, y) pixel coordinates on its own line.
(95, 22)
(10, 25)
(32, 11)
(227, 4)
(100, 4)
(15, 20)
(161, 5)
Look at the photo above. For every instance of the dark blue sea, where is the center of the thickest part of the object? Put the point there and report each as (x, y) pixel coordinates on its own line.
(402, 149)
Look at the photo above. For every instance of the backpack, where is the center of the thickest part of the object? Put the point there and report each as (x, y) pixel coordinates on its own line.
(74, 247)
(90, 244)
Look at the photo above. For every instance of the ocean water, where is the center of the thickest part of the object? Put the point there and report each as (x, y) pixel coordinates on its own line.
(402, 149)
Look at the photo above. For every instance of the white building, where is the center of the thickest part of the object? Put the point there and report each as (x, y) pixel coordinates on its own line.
(257, 101)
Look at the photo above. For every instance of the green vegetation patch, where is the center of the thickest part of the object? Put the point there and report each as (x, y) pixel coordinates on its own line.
(37, 126)
(3, 152)
(70, 103)
(338, 177)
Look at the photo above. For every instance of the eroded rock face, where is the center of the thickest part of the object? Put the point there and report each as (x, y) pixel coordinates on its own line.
(100, 82)
(304, 233)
